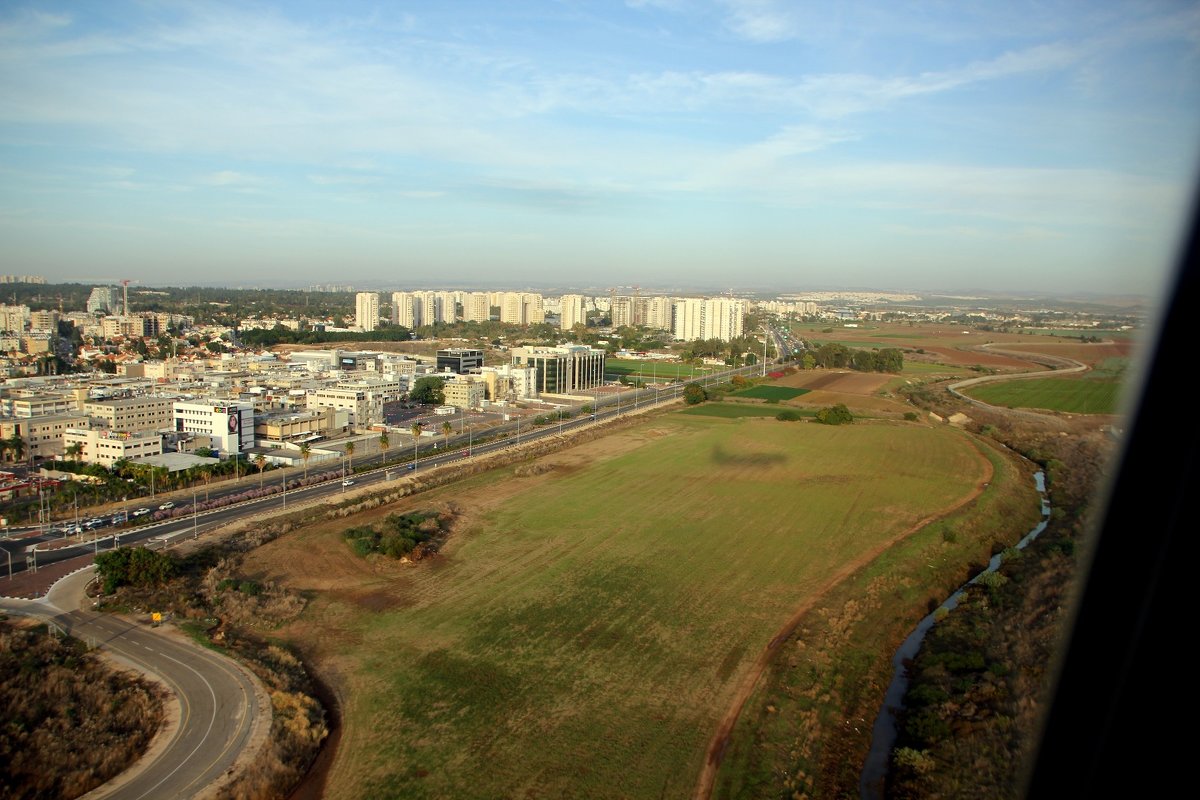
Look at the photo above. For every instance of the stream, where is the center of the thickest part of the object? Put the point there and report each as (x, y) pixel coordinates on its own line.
(883, 734)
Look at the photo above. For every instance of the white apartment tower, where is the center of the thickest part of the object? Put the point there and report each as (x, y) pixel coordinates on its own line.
(366, 311)
(573, 312)
(476, 307)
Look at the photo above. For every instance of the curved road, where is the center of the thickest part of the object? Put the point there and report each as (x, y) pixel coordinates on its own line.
(218, 702)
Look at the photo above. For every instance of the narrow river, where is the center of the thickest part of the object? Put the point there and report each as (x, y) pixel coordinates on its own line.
(883, 735)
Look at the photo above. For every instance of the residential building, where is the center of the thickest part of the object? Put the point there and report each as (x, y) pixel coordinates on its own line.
(404, 310)
(507, 382)
(459, 359)
(366, 310)
(476, 307)
(229, 425)
(562, 370)
(572, 312)
(464, 391)
(43, 321)
(103, 300)
(105, 447)
(689, 315)
(14, 319)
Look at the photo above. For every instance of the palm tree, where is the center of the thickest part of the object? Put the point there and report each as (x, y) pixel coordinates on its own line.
(350, 455)
(260, 461)
(416, 432)
(447, 429)
(74, 451)
(305, 452)
(383, 445)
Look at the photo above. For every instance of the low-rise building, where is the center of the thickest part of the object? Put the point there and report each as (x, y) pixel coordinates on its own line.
(460, 360)
(562, 370)
(464, 391)
(106, 447)
(43, 435)
(132, 413)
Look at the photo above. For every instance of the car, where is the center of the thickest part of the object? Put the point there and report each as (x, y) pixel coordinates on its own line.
(118, 519)
(167, 506)
(139, 512)
(347, 482)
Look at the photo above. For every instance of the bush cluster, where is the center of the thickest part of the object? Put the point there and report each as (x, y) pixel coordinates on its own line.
(401, 534)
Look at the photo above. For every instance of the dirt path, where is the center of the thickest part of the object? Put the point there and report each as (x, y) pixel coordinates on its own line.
(720, 740)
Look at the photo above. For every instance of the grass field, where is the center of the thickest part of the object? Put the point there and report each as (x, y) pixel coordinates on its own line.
(768, 392)
(1073, 395)
(735, 410)
(585, 632)
(649, 369)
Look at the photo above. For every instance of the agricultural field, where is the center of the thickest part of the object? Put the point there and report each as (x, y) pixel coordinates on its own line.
(770, 392)
(738, 410)
(1082, 395)
(588, 624)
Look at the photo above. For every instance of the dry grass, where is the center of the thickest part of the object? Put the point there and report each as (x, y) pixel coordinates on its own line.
(586, 628)
(71, 722)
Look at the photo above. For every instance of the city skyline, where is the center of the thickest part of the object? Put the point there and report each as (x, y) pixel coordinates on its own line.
(1034, 148)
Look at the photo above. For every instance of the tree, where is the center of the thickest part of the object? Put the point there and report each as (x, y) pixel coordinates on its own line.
(447, 429)
(260, 461)
(428, 391)
(416, 433)
(349, 455)
(694, 394)
(809, 361)
(305, 452)
(383, 445)
(16, 446)
(835, 415)
(74, 451)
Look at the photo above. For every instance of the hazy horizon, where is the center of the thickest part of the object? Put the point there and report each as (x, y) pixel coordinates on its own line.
(1031, 148)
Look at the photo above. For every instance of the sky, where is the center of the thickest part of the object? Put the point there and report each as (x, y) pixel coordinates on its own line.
(745, 144)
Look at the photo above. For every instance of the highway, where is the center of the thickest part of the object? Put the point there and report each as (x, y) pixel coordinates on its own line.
(35, 549)
(219, 703)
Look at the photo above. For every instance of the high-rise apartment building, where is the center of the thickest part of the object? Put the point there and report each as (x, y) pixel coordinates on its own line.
(573, 312)
(366, 310)
(476, 307)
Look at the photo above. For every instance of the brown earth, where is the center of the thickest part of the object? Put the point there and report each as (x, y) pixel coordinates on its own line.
(1079, 351)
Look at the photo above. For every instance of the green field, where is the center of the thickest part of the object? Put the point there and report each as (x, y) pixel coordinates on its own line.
(583, 636)
(768, 392)
(1073, 395)
(650, 369)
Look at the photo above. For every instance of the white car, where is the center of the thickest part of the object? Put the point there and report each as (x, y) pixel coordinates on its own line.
(167, 506)
(347, 482)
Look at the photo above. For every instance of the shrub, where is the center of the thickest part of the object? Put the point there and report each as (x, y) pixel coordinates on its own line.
(835, 415)
(911, 416)
(788, 416)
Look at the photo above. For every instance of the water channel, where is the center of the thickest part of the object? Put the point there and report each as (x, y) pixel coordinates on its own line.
(883, 734)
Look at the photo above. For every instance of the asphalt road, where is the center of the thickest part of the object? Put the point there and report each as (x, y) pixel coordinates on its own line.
(217, 702)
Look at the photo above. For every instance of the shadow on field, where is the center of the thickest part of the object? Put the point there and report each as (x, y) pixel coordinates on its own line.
(719, 456)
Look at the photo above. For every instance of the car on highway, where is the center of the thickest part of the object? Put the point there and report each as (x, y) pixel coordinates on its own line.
(347, 482)
(139, 512)
(167, 506)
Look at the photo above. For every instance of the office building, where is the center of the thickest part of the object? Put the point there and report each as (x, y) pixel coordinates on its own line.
(105, 447)
(562, 370)
(132, 413)
(229, 425)
(459, 359)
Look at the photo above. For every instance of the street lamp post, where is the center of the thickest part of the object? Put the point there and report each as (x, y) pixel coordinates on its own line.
(195, 527)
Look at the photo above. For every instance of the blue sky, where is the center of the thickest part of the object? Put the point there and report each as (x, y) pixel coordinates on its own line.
(1039, 147)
